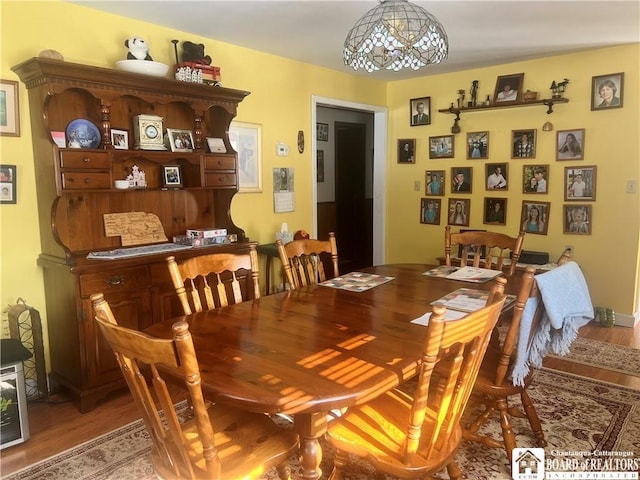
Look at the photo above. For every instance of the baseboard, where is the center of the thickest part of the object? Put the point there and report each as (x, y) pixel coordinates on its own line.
(626, 320)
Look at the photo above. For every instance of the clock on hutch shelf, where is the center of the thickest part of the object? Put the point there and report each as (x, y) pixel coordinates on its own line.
(76, 191)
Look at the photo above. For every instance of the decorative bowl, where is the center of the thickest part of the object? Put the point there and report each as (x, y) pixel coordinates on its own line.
(122, 184)
(145, 67)
(530, 96)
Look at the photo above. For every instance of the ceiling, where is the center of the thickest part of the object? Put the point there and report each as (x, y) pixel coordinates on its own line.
(481, 33)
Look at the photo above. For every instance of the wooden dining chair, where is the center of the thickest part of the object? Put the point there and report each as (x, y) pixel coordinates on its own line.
(416, 435)
(217, 442)
(494, 386)
(303, 260)
(210, 281)
(496, 247)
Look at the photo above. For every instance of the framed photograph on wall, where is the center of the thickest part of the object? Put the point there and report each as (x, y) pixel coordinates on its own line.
(434, 182)
(523, 143)
(441, 146)
(458, 211)
(577, 219)
(535, 217)
(509, 88)
(180, 140)
(320, 166)
(477, 145)
(120, 139)
(9, 109)
(406, 150)
(606, 91)
(535, 178)
(246, 139)
(322, 132)
(420, 111)
(171, 176)
(496, 175)
(495, 211)
(580, 183)
(570, 144)
(8, 184)
(430, 211)
(461, 179)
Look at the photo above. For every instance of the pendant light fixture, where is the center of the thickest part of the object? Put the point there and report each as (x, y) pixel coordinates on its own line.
(394, 35)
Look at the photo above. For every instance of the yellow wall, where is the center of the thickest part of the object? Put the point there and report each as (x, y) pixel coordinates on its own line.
(280, 101)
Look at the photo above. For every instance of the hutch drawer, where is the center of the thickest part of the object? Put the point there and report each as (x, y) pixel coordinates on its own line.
(85, 159)
(217, 179)
(219, 163)
(115, 280)
(85, 180)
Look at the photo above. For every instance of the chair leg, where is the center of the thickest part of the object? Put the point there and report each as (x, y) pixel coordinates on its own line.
(339, 463)
(508, 436)
(284, 471)
(471, 432)
(454, 471)
(532, 416)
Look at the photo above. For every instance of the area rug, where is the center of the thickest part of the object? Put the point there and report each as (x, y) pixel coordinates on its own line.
(605, 355)
(578, 415)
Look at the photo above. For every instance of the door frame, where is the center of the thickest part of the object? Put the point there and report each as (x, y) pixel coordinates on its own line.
(380, 121)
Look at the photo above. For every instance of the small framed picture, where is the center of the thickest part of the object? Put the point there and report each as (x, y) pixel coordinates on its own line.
(434, 182)
(172, 176)
(535, 217)
(180, 140)
(458, 211)
(577, 219)
(9, 109)
(495, 211)
(535, 178)
(120, 139)
(477, 145)
(420, 111)
(406, 150)
(8, 184)
(606, 91)
(497, 176)
(580, 183)
(216, 145)
(523, 143)
(441, 146)
(320, 166)
(461, 179)
(509, 88)
(430, 211)
(570, 144)
(322, 132)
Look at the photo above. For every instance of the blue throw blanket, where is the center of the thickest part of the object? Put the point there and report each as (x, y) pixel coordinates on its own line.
(567, 307)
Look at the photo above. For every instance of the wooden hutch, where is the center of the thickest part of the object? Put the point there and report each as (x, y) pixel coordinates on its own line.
(75, 188)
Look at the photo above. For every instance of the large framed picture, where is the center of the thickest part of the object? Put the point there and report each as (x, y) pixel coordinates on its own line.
(119, 139)
(434, 182)
(570, 144)
(495, 211)
(580, 183)
(577, 219)
(458, 211)
(180, 140)
(496, 175)
(172, 176)
(246, 139)
(523, 143)
(535, 178)
(406, 150)
(8, 184)
(477, 145)
(441, 146)
(420, 111)
(9, 109)
(461, 179)
(606, 91)
(509, 88)
(535, 217)
(430, 211)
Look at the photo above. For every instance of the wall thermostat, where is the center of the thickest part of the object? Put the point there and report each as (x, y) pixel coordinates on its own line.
(282, 150)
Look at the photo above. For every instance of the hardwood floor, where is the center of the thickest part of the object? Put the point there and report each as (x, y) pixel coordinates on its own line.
(57, 426)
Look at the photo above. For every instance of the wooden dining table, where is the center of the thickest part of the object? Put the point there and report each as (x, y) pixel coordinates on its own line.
(316, 349)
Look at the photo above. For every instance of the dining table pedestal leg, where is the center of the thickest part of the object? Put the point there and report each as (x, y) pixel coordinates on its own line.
(310, 427)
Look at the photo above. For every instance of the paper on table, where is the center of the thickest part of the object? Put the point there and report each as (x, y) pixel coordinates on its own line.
(474, 274)
(448, 315)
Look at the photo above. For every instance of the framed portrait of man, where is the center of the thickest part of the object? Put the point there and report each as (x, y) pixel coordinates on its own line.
(523, 143)
(430, 211)
(407, 150)
(606, 91)
(420, 111)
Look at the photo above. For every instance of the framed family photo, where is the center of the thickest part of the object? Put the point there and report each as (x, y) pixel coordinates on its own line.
(535, 217)
(458, 211)
(406, 150)
(120, 139)
(8, 184)
(434, 182)
(420, 111)
(606, 91)
(508, 88)
(580, 183)
(430, 211)
(461, 179)
(9, 109)
(180, 140)
(535, 178)
(441, 146)
(577, 219)
(477, 145)
(570, 144)
(496, 175)
(172, 176)
(495, 211)
(523, 143)
(246, 139)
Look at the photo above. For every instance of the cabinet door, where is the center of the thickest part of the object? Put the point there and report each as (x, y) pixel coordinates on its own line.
(132, 310)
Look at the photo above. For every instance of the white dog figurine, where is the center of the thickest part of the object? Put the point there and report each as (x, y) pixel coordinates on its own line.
(138, 49)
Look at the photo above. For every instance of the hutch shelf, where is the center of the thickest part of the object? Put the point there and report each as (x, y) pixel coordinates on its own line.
(75, 189)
